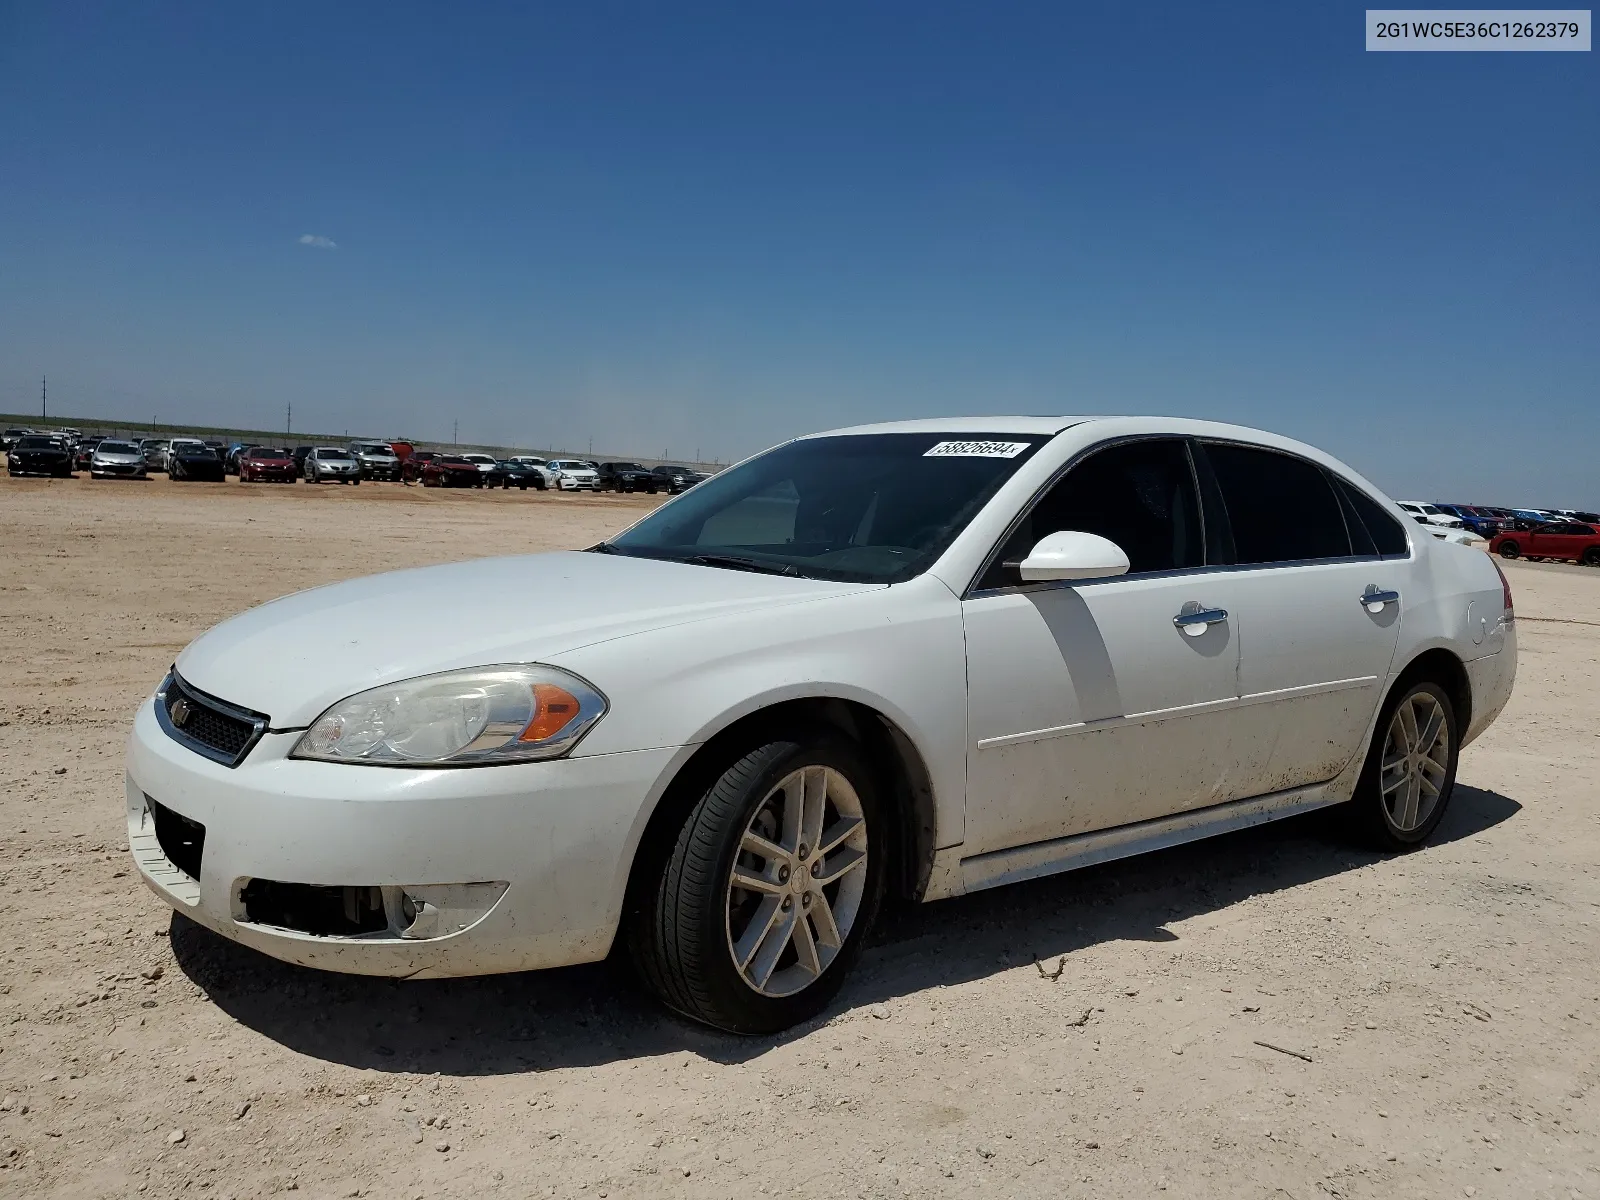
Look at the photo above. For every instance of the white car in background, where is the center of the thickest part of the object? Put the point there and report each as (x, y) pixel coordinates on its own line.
(914, 659)
(573, 474)
(1428, 514)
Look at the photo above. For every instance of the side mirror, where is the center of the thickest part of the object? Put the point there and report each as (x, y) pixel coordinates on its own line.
(1070, 554)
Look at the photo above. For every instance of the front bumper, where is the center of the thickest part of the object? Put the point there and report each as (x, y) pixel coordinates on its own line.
(560, 834)
(568, 483)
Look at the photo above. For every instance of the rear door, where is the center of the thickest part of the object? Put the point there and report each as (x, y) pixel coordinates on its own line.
(1320, 605)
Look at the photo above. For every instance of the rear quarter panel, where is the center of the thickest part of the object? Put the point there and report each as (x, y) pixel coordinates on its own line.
(1456, 603)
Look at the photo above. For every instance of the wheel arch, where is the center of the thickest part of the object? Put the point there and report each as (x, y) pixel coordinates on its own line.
(1439, 664)
(903, 777)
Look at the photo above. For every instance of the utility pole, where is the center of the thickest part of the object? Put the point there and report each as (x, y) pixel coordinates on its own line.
(44, 396)
(288, 418)
(455, 432)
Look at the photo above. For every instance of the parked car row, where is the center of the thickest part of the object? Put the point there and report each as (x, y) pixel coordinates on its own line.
(1534, 533)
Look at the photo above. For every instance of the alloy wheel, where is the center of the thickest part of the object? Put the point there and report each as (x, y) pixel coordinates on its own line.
(797, 882)
(1416, 761)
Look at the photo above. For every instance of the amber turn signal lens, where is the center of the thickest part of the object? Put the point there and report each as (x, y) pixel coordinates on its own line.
(554, 709)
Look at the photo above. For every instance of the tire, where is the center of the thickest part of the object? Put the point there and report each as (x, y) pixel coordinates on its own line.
(1386, 820)
(1510, 550)
(683, 935)
(1591, 557)
(357, 482)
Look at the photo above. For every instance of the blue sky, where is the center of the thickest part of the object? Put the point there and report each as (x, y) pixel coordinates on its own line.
(682, 227)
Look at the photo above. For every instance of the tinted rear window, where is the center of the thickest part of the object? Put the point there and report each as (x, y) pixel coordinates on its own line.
(1373, 529)
(1281, 508)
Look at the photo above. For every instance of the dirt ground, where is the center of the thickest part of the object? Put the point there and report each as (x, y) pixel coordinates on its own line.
(1444, 1002)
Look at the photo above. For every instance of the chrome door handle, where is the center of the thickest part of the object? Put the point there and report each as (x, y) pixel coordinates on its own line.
(1194, 620)
(1373, 600)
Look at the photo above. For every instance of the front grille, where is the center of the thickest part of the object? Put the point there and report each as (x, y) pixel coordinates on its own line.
(207, 725)
(183, 841)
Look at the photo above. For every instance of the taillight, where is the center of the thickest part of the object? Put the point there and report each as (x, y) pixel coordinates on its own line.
(1505, 585)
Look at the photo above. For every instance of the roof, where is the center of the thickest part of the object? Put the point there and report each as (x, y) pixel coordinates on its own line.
(1025, 425)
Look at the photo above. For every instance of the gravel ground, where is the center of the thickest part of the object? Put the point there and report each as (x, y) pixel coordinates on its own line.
(1267, 1014)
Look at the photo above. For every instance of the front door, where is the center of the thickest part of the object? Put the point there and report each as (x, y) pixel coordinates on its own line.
(1088, 705)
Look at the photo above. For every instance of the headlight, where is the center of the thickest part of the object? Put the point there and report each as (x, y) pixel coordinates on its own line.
(476, 717)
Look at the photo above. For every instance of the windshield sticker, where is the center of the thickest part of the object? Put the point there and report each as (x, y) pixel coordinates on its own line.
(977, 450)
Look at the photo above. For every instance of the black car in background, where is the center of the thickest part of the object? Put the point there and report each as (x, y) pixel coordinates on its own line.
(11, 437)
(515, 475)
(190, 459)
(40, 454)
(627, 477)
(677, 479)
(300, 455)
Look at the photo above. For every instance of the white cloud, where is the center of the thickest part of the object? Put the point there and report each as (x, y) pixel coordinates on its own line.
(318, 242)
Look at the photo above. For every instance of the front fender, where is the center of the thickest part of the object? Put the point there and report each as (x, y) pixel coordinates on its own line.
(898, 650)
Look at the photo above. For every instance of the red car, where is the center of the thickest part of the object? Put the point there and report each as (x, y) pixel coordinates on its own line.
(266, 463)
(446, 470)
(1558, 539)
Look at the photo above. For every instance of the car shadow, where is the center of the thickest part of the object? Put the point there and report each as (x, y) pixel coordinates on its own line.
(582, 1016)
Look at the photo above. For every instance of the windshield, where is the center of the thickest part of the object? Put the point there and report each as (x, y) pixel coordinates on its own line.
(867, 508)
(376, 451)
(332, 455)
(117, 448)
(36, 441)
(267, 452)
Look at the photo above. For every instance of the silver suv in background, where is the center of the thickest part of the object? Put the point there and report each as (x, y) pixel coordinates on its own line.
(376, 459)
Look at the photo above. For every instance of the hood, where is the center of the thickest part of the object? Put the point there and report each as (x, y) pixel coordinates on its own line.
(118, 456)
(291, 658)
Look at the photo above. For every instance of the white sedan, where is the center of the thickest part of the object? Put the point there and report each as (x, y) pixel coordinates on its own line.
(915, 659)
(572, 475)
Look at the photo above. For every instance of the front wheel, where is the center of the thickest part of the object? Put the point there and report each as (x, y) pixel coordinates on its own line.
(757, 912)
(1410, 772)
(1509, 550)
(1591, 557)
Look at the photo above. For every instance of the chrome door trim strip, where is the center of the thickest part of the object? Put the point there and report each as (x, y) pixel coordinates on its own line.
(1168, 714)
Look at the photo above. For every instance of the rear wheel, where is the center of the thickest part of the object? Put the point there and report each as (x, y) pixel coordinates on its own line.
(762, 904)
(1410, 772)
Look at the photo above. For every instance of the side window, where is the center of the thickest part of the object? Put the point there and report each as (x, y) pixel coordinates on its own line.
(1370, 522)
(1140, 495)
(1281, 508)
